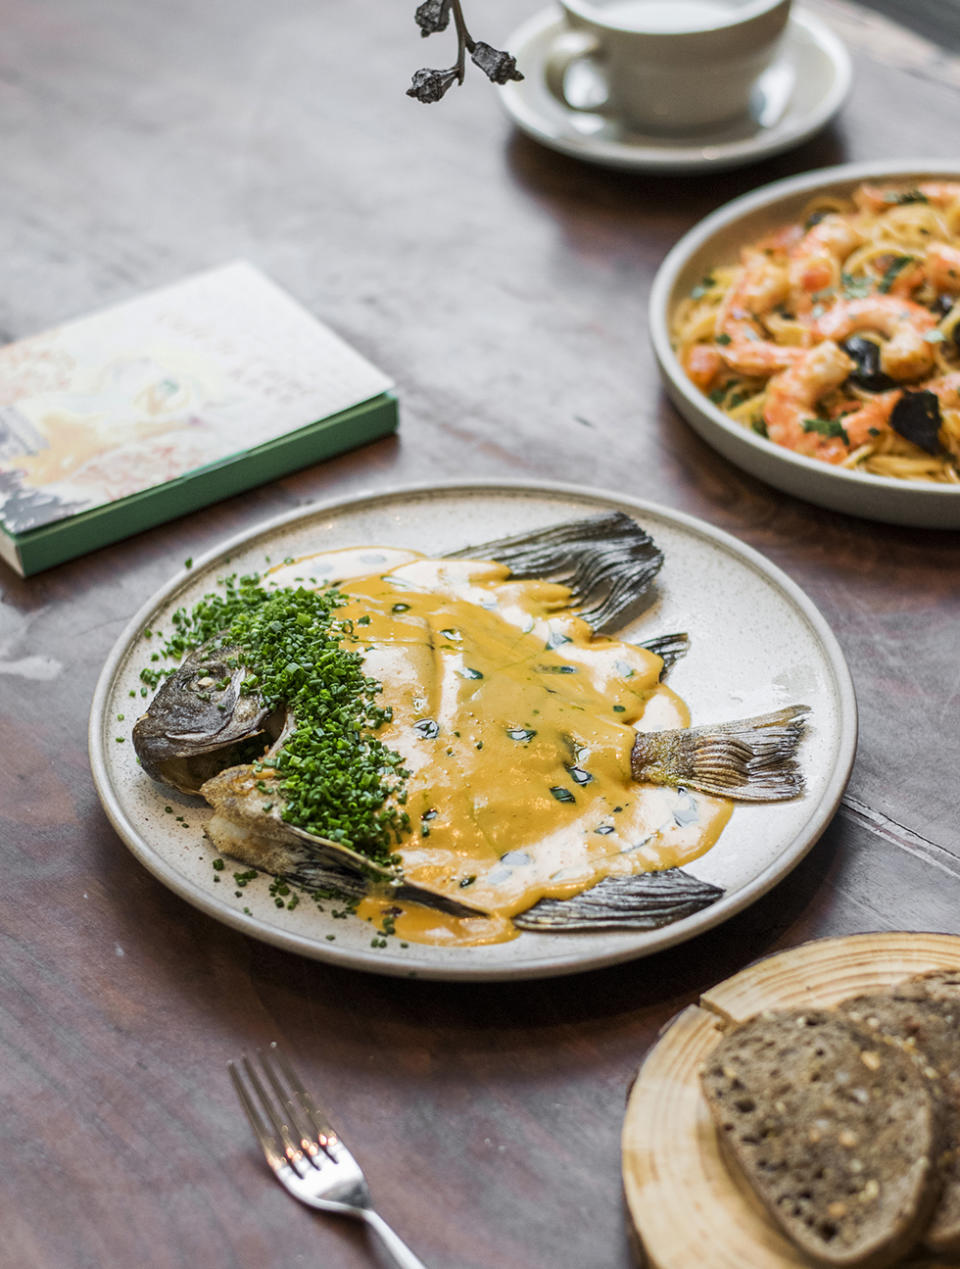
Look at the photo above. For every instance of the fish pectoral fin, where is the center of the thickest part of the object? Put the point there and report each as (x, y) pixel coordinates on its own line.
(749, 760)
(606, 561)
(644, 901)
(669, 648)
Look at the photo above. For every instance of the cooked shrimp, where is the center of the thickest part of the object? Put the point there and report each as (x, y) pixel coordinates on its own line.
(703, 363)
(947, 390)
(815, 260)
(942, 265)
(762, 285)
(875, 198)
(782, 238)
(759, 357)
(940, 193)
(906, 354)
(907, 279)
(869, 418)
(792, 397)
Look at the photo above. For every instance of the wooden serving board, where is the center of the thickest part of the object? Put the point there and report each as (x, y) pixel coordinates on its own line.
(684, 1206)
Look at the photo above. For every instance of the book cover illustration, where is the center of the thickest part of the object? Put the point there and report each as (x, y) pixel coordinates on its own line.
(167, 384)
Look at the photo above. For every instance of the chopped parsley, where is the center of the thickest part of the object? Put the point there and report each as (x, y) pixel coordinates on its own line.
(827, 427)
(902, 197)
(855, 288)
(894, 268)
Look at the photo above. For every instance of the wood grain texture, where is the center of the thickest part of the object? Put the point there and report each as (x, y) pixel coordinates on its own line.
(505, 288)
(681, 1196)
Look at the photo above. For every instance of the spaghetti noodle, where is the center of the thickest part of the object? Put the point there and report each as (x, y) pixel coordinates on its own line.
(838, 335)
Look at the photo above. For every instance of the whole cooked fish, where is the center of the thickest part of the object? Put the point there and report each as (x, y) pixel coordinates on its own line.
(510, 658)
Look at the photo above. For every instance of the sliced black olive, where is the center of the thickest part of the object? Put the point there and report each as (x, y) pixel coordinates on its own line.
(866, 353)
(916, 416)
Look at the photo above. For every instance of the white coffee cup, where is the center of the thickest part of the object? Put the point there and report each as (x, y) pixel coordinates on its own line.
(667, 65)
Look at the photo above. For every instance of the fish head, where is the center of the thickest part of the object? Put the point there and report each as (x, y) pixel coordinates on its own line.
(199, 719)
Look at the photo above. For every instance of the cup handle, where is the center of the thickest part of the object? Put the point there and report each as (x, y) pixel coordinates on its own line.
(569, 47)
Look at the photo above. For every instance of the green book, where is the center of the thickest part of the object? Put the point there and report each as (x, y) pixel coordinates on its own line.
(134, 415)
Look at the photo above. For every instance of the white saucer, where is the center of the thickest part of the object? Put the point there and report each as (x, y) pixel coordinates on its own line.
(794, 98)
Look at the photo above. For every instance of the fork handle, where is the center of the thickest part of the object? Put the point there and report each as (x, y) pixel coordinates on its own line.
(402, 1255)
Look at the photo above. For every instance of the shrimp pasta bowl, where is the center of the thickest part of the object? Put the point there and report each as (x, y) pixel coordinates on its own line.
(810, 332)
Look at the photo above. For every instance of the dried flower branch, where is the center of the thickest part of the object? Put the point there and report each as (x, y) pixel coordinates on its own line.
(430, 85)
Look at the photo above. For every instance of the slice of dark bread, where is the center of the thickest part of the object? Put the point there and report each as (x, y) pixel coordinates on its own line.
(924, 1013)
(833, 1127)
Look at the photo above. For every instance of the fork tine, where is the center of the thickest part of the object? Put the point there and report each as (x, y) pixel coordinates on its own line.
(292, 1150)
(326, 1134)
(299, 1126)
(268, 1143)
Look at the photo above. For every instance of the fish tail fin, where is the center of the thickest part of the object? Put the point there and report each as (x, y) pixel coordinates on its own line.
(750, 760)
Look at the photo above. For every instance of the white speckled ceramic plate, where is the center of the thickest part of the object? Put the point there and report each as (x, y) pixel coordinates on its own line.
(757, 643)
(717, 240)
(794, 98)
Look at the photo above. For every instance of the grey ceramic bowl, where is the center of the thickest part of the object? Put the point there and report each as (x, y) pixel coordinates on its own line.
(717, 240)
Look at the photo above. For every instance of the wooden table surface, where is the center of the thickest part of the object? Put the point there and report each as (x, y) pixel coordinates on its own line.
(505, 288)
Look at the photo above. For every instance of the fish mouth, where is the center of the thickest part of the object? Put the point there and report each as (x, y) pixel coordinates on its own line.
(205, 732)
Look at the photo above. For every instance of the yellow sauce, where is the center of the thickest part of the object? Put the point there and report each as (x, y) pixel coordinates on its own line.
(516, 724)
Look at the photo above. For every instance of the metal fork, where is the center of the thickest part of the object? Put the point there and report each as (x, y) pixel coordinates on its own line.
(305, 1152)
